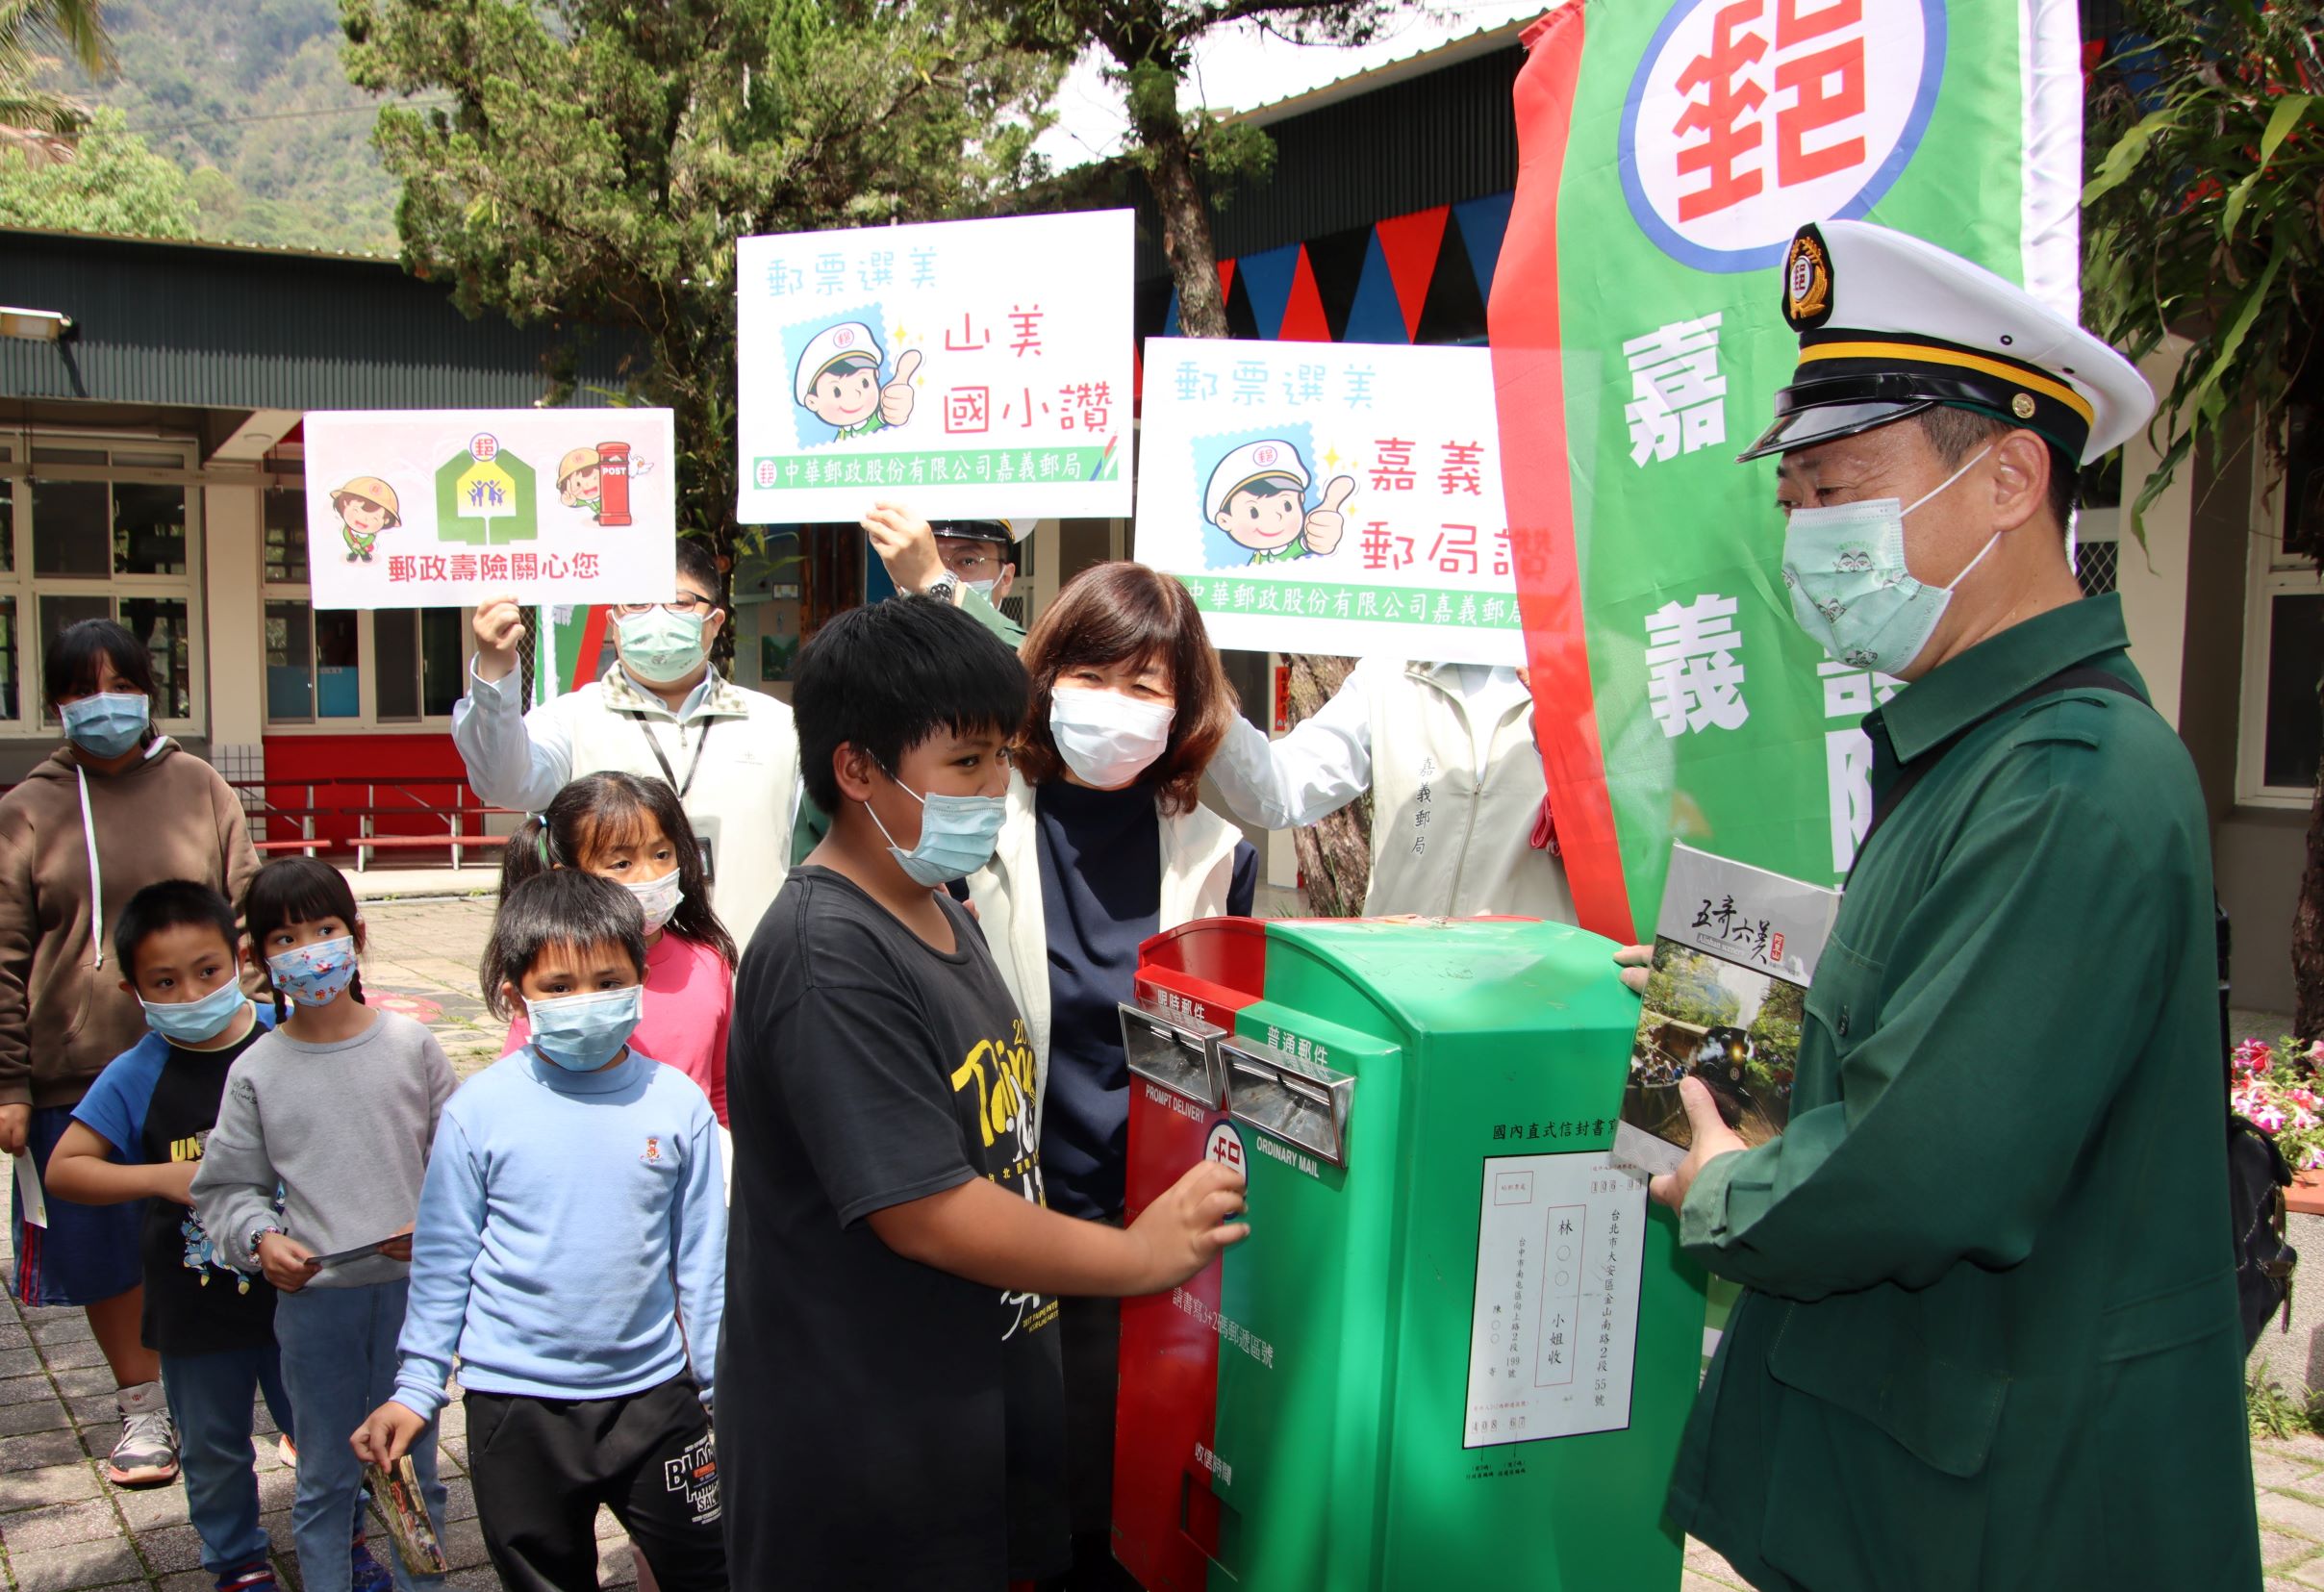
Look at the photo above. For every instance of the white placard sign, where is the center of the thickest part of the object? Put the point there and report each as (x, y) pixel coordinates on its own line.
(968, 368)
(1560, 1246)
(1331, 497)
(445, 508)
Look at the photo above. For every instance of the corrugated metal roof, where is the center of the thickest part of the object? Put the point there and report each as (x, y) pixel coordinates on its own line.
(1484, 42)
(246, 328)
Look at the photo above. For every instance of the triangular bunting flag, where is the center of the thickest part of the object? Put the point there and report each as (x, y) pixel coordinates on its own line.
(1410, 245)
(1483, 222)
(1304, 319)
(1374, 316)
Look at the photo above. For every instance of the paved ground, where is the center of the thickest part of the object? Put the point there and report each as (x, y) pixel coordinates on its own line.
(62, 1527)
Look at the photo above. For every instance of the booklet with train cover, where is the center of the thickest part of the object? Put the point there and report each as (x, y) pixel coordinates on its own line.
(1735, 949)
(396, 1490)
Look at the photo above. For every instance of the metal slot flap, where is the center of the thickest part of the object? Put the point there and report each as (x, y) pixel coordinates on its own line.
(1297, 1101)
(1172, 1052)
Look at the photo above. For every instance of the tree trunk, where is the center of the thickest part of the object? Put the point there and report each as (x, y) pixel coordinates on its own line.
(1335, 853)
(2308, 931)
(1186, 242)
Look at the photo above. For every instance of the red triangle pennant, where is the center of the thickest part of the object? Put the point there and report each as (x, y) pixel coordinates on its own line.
(1409, 243)
(1226, 279)
(1303, 317)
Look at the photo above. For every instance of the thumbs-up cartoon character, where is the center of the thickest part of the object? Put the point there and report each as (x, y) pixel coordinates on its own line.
(838, 382)
(1259, 496)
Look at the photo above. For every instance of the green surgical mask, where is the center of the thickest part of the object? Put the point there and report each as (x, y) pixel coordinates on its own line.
(659, 646)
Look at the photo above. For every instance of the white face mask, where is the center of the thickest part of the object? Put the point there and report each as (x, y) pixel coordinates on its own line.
(657, 899)
(984, 587)
(1107, 739)
(1850, 590)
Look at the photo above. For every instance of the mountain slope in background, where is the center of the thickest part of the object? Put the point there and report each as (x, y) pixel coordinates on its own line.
(247, 96)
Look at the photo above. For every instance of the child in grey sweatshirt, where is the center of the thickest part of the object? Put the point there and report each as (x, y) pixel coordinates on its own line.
(336, 1108)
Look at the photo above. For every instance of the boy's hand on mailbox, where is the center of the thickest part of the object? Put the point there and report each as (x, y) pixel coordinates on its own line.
(1711, 1139)
(1181, 1231)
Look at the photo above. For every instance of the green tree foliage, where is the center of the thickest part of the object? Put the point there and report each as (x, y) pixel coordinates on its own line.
(598, 158)
(1775, 1029)
(1685, 985)
(247, 96)
(112, 183)
(2204, 210)
(29, 30)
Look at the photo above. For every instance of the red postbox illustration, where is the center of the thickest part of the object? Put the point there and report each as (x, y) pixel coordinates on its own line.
(613, 481)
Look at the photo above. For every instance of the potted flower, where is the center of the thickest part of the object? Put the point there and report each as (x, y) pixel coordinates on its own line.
(2276, 1090)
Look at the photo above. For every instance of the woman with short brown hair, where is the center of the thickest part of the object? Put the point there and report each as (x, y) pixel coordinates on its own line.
(1105, 846)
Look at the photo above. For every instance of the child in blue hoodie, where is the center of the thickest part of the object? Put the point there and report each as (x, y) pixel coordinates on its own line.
(137, 1135)
(571, 1249)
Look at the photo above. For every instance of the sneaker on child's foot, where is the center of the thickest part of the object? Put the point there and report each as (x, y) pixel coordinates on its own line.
(257, 1576)
(365, 1574)
(147, 1453)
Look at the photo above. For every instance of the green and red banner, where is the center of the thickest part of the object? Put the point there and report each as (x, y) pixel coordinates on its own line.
(1667, 151)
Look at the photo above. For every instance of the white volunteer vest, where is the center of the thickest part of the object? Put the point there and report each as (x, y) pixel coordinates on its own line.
(1447, 843)
(738, 798)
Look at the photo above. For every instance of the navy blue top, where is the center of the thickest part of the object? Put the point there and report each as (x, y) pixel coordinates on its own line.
(1101, 897)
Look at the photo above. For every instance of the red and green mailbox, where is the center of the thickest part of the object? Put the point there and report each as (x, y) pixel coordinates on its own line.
(1459, 1347)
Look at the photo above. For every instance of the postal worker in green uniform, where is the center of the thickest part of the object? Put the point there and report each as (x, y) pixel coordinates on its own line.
(1990, 1338)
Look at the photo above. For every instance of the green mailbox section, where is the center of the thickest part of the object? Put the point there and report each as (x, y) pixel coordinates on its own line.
(1459, 1347)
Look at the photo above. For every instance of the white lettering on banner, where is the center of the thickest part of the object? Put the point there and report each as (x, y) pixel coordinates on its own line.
(1232, 1331)
(1211, 1462)
(1678, 398)
(1850, 693)
(1693, 679)
(1750, 115)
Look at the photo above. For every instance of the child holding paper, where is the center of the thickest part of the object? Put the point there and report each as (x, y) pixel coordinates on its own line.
(336, 1107)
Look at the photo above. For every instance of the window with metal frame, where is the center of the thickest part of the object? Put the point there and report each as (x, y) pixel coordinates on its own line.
(100, 526)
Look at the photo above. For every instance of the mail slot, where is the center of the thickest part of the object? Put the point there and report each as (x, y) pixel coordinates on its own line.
(1300, 1103)
(1459, 1347)
(1179, 1053)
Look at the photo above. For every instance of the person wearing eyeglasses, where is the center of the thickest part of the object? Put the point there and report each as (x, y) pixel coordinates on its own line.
(661, 711)
(971, 564)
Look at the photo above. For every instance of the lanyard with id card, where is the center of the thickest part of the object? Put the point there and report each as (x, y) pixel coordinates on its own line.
(704, 829)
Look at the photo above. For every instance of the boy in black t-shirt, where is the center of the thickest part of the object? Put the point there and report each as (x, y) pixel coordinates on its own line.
(138, 1134)
(890, 1407)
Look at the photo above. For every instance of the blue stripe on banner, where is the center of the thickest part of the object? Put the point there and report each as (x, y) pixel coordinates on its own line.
(1483, 224)
(1170, 321)
(1375, 317)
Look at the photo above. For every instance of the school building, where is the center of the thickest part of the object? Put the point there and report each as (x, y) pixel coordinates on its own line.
(151, 468)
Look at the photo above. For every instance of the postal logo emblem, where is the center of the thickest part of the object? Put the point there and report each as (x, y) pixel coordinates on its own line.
(1807, 282)
(483, 447)
(1226, 1148)
(2022, 406)
(843, 337)
(1263, 454)
(1745, 118)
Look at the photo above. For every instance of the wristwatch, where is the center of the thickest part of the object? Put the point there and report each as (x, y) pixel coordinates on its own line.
(944, 587)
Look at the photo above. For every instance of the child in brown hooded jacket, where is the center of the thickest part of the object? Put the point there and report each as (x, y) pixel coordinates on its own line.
(117, 808)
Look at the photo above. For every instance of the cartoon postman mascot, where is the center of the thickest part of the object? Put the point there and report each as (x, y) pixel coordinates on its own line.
(365, 506)
(838, 382)
(1259, 496)
(580, 478)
